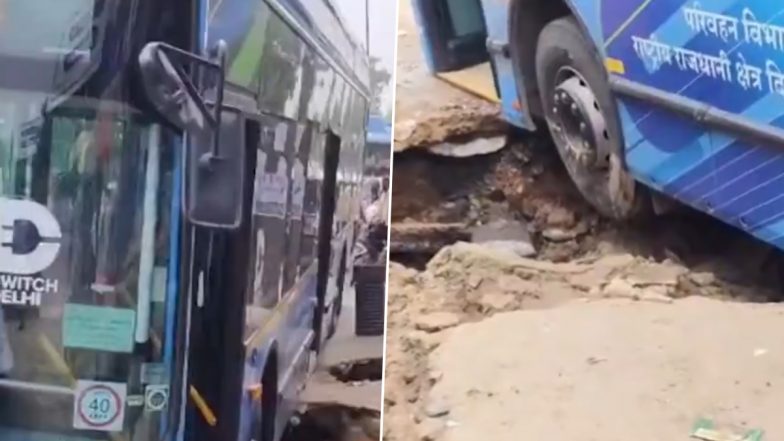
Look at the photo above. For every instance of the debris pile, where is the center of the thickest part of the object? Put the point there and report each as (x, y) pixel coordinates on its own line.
(475, 308)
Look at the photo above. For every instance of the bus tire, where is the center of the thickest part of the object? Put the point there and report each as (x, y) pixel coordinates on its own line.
(583, 121)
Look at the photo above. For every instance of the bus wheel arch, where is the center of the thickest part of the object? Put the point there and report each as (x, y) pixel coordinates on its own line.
(582, 117)
(527, 19)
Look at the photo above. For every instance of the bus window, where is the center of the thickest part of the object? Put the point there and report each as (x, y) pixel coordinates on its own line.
(271, 208)
(281, 69)
(310, 222)
(295, 230)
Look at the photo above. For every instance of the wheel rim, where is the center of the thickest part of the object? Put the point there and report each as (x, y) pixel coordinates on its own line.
(579, 122)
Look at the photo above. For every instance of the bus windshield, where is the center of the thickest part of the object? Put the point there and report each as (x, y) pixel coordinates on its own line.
(85, 191)
(60, 27)
(51, 46)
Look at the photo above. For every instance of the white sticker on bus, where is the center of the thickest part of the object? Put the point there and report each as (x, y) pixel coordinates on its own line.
(99, 406)
(29, 244)
(272, 192)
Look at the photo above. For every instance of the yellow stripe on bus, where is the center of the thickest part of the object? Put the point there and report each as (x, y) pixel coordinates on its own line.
(615, 66)
(204, 408)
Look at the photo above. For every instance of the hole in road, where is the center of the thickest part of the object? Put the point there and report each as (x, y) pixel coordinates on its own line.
(365, 370)
(334, 423)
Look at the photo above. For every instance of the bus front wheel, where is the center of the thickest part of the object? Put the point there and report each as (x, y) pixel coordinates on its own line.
(582, 118)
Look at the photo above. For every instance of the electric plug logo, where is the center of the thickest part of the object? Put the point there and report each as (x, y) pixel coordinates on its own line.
(29, 237)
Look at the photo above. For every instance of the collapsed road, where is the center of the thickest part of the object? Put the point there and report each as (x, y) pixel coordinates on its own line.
(585, 327)
(342, 399)
(515, 312)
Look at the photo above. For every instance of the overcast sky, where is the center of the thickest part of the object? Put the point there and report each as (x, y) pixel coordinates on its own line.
(383, 30)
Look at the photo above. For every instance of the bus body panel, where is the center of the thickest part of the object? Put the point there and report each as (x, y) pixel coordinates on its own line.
(309, 80)
(713, 55)
(513, 107)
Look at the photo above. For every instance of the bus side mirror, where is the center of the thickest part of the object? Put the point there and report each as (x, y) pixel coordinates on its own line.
(215, 134)
(215, 187)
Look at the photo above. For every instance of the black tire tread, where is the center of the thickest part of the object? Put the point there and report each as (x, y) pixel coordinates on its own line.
(560, 43)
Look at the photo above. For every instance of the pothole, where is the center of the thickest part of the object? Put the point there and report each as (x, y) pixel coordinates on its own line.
(358, 371)
(438, 201)
(334, 423)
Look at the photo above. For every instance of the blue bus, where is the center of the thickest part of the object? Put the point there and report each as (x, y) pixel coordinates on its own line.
(646, 101)
(179, 186)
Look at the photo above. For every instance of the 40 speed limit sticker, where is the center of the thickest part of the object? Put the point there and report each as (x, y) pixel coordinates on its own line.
(99, 406)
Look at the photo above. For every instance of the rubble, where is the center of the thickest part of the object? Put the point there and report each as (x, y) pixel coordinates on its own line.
(469, 284)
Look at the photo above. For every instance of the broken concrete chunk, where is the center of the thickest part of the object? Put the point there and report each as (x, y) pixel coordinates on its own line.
(657, 274)
(522, 249)
(559, 234)
(436, 408)
(620, 288)
(560, 217)
(437, 321)
(420, 339)
(702, 279)
(474, 281)
(474, 147)
(656, 294)
(516, 285)
(496, 301)
(501, 230)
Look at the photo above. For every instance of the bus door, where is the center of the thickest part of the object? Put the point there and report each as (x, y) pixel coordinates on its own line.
(723, 56)
(85, 261)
